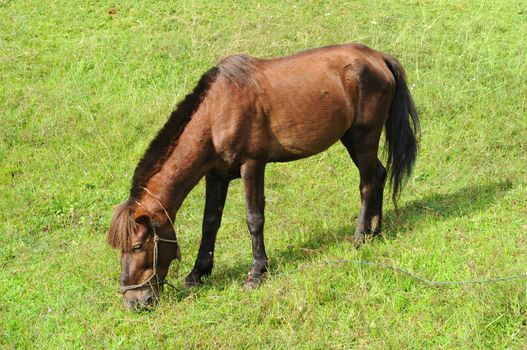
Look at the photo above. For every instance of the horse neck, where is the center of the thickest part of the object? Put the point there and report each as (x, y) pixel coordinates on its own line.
(189, 162)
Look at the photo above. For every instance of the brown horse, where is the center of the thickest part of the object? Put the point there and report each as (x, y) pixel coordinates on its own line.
(243, 114)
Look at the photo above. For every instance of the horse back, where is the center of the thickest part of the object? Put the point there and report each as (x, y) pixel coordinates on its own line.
(299, 105)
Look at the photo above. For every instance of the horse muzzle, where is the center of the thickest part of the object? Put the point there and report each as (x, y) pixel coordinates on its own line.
(140, 299)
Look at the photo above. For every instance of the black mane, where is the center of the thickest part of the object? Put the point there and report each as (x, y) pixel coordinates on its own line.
(161, 146)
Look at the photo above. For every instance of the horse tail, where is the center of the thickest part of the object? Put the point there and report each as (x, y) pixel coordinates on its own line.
(401, 130)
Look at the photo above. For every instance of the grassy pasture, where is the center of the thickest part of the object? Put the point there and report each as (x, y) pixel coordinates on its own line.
(85, 85)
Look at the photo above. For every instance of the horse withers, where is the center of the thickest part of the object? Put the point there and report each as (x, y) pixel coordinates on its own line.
(247, 112)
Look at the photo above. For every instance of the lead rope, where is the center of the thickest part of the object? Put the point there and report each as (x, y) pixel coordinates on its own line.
(329, 262)
(406, 272)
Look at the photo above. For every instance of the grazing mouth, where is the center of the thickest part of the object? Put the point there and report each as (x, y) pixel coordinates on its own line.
(139, 306)
(141, 300)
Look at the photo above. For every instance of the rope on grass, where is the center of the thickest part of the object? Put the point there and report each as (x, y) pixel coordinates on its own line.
(411, 274)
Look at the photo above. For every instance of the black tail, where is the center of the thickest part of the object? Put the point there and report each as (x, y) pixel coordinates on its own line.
(401, 127)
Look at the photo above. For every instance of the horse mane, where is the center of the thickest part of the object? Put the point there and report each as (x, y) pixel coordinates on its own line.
(122, 227)
(239, 69)
(162, 145)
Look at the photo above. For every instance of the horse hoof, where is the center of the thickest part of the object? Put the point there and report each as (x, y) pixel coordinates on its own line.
(253, 280)
(192, 281)
(358, 240)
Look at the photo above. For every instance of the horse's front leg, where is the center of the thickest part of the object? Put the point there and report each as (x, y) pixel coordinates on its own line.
(216, 193)
(252, 173)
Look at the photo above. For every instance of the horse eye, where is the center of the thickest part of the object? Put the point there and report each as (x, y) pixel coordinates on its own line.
(137, 247)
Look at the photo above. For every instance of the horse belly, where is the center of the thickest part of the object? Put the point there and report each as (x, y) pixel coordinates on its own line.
(307, 125)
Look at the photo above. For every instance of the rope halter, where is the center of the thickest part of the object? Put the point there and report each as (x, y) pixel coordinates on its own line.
(154, 279)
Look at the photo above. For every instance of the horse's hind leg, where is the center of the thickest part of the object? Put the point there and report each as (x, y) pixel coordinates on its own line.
(362, 146)
(216, 193)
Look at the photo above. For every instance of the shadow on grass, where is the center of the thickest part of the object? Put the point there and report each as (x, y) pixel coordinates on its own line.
(437, 206)
(411, 215)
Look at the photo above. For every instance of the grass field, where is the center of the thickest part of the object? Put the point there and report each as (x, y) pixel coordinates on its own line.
(84, 86)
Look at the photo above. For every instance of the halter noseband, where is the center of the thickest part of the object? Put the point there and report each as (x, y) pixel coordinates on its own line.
(157, 239)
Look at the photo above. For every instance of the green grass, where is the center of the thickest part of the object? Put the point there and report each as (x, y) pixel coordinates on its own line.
(82, 92)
